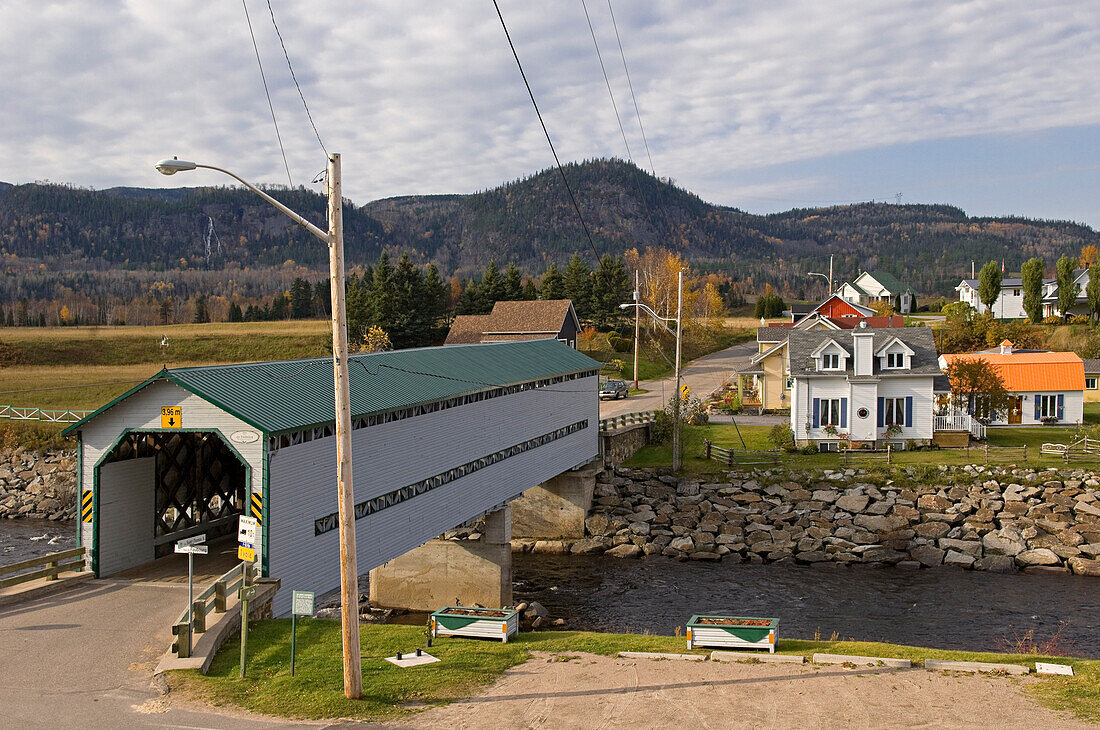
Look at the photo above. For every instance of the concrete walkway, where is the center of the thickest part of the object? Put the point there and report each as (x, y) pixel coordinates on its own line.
(703, 376)
(85, 658)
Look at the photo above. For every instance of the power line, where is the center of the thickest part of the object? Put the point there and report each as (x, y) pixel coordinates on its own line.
(71, 387)
(631, 85)
(550, 142)
(268, 93)
(614, 106)
(295, 78)
(463, 380)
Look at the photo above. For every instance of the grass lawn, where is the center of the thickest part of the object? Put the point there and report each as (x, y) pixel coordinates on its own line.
(1092, 414)
(651, 365)
(316, 690)
(756, 440)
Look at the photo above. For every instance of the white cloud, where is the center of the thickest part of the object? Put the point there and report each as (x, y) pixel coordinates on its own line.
(425, 97)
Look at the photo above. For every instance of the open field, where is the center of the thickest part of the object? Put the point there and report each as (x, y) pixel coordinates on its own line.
(469, 666)
(752, 443)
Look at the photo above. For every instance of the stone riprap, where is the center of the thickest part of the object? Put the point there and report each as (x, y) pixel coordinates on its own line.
(975, 517)
(38, 486)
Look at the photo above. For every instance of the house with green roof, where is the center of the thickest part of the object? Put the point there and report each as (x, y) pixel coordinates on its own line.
(879, 286)
(440, 436)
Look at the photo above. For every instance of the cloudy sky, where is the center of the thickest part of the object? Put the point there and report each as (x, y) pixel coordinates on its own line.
(993, 105)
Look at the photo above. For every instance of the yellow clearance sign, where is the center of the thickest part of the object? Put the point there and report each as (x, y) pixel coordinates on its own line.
(246, 553)
(171, 417)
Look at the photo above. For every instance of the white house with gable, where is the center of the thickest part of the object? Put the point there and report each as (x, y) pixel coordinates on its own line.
(862, 386)
(1010, 302)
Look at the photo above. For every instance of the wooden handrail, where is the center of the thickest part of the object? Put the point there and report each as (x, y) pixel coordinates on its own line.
(212, 600)
(53, 562)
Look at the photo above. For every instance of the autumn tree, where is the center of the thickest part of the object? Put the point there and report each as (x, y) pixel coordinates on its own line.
(1068, 289)
(883, 308)
(989, 284)
(375, 340)
(1031, 274)
(1089, 256)
(977, 387)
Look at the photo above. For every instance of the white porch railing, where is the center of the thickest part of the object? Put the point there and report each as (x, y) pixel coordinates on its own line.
(960, 422)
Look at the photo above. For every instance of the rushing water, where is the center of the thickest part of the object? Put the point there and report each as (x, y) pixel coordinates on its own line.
(943, 608)
(23, 539)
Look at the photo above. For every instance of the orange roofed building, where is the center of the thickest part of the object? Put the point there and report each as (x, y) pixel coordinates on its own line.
(1048, 387)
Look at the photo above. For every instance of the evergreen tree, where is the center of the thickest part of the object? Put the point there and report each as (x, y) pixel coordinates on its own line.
(1092, 290)
(610, 288)
(235, 313)
(577, 285)
(251, 314)
(380, 296)
(357, 307)
(322, 298)
(1068, 289)
(513, 283)
(165, 311)
(530, 291)
(492, 284)
(280, 307)
(553, 284)
(301, 299)
(435, 301)
(11, 319)
(472, 300)
(2, 319)
(770, 304)
(410, 322)
(202, 314)
(1032, 275)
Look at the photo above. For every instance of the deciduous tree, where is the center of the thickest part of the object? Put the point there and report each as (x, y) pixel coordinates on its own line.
(977, 388)
(1032, 284)
(989, 284)
(1068, 289)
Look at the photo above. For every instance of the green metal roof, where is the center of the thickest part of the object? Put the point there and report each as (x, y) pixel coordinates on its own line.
(288, 395)
(888, 281)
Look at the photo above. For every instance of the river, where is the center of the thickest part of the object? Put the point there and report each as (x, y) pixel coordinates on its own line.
(943, 608)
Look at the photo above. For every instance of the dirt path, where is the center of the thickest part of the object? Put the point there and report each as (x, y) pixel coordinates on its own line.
(589, 691)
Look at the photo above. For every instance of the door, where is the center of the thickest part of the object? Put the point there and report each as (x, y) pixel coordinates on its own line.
(125, 514)
(1016, 410)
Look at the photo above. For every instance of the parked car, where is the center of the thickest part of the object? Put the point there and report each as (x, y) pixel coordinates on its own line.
(614, 389)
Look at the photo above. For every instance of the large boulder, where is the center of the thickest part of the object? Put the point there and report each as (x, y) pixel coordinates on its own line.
(1085, 566)
(972, 548)
(1040, 556)
(683, 544)
(928, 555)
(628, 550)
(853, 502)
(960, 559)
(1005, 541)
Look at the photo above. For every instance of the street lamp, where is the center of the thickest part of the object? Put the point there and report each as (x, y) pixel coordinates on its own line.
(828, 278)
(679, 336)
(334, 237)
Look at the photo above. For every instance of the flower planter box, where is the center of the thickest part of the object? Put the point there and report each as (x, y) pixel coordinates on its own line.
(483, 623)
(741, 632)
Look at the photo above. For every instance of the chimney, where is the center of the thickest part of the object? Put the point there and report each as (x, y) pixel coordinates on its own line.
(863, 346)
(1006, 347)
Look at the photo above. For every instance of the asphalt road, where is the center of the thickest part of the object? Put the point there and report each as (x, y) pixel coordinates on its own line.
(703, 376)
(84, 658)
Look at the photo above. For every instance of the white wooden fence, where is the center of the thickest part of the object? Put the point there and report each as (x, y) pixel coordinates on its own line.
(960, 422)
(19, 413)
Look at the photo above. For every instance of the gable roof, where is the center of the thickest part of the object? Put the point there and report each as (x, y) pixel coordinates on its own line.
(803, 343)
(1024, 371)
(514, 320)
(1092, 366)
(858, 307)
(292, 394)
(888, 281)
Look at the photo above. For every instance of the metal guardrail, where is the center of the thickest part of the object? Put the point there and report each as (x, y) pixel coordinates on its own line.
(54, 563)
(627, 419)
(211, 600)
(20, 413)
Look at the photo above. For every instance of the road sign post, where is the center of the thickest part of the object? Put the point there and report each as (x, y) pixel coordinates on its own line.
(191, 546)
(301, 605)
(248, 537)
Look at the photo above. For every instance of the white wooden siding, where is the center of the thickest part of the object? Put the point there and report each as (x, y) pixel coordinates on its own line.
(126, 504)
(389, 456)
(920, 389)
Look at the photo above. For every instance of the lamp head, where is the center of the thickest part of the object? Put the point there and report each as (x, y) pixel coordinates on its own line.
(174, 165)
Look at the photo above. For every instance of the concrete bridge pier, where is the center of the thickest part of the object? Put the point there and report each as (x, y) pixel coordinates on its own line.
(448, 572)
(555, 509)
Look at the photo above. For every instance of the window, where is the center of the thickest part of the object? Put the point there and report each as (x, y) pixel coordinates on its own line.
(788, 383)
(1090, 383)
(830, 361)
(1015, 292)
(830, 411)
(823, 446)
(893, 411)
(895, 359)
(1048, 406)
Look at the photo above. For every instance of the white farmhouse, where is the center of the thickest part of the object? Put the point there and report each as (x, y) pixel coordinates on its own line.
(862, 386)
(878, 286)
(1010, 302)
(1080, 306)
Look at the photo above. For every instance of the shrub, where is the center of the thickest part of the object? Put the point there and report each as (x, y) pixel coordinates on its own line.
(1052, 320)
(660, 431)
(1080, 319)
(809, 449)
(619, 343)
(782, 436)
(615, 364)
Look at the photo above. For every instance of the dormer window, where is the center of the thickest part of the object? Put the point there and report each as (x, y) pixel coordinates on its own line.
(895, 359)
(830, 361)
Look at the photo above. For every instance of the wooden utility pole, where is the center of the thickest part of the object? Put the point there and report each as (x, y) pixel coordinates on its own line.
(678, 397)
(349, 572)
(637, 319)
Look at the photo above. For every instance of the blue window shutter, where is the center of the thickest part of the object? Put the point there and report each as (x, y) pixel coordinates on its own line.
(881, 414)
(1038, 402)
(908, 410)
(1061, 406)
(844, 413)
(817, 412)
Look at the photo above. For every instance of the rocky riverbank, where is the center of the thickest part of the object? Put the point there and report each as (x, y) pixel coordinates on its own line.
(38, 486)
(976, 517)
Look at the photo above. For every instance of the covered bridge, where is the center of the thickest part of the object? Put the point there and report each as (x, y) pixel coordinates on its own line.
(440, 436)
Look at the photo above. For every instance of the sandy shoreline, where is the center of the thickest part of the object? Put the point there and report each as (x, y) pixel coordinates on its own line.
(589, 691)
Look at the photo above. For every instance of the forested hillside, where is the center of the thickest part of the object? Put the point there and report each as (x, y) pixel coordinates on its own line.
(100, 250)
